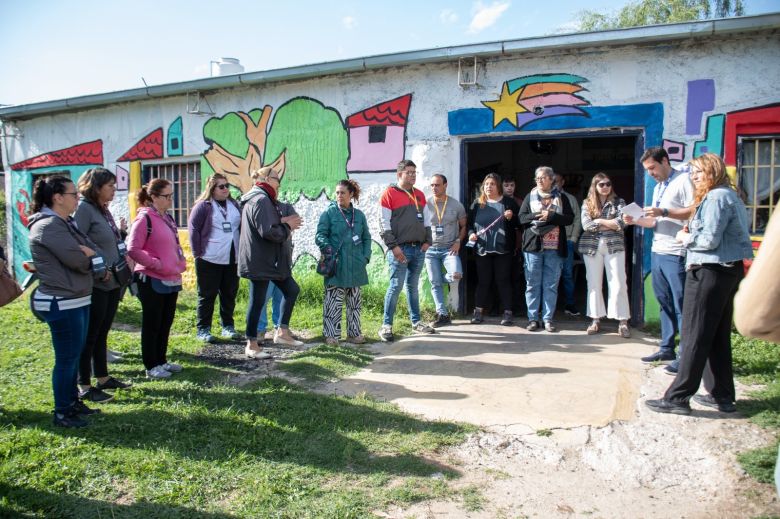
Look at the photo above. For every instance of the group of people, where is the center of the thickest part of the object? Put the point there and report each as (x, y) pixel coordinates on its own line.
(85, 267)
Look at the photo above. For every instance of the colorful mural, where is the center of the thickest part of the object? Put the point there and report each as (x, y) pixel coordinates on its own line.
(149, 147)
(307, 142)
(377, 136)
(713, 137)
(759, 120)
(676, 150)
(175, 138)
(122, 178)
(87, 153)
(701, 98)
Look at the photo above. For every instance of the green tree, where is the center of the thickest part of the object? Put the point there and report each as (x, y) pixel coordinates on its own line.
(654, 12)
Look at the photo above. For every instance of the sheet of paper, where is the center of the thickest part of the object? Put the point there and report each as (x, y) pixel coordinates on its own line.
(634, 211)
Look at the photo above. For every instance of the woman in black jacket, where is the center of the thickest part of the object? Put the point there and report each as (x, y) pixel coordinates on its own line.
(492, 221)
(544, 216)
(265, 255)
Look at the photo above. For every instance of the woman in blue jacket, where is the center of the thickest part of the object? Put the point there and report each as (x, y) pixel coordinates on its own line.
(717, 242)
(344, 228)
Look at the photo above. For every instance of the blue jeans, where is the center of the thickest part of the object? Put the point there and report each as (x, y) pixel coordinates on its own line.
(258, 294)
(68, 335)
(668, 273)
(437, 261)
(406, 276)
(275, 296)
(567, 275)
(542, 273)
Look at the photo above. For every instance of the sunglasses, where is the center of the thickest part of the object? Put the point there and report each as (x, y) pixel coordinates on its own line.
(222, 186)
(604, 184)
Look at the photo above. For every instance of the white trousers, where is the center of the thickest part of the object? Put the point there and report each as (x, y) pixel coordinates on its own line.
(615, 265)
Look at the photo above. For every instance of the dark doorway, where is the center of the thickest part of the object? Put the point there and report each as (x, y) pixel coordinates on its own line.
(578, 157)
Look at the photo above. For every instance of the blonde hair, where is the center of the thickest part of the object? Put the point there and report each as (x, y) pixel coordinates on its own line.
(211, 185)
(259, 175)
(499, 185)
(715, 175)
(593, 201)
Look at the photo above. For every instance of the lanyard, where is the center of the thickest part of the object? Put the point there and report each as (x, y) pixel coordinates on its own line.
(223, 213)
(486, 229)
(411, 197)
(349, 224)
(440, 216)
(663, 190)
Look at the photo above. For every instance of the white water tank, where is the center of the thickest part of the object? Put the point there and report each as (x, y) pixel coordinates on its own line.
(226, 67)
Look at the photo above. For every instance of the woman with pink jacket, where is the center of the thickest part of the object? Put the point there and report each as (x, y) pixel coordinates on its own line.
(154, 246)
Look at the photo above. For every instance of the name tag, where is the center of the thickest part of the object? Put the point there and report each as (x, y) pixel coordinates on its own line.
(439, 229)
(121, 247)
(356, 239)
(227, 227)
(419, 216)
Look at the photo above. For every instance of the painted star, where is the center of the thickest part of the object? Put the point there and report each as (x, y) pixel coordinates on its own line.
(506, 107)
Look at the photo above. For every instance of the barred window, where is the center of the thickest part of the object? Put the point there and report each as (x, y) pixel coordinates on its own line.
(759, 178)
(185, 177)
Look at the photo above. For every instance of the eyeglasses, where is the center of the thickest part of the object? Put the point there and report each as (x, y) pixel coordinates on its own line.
(167, 197)
(222, 186)
(539, 179)
(73, 194)
(604, 184)
(273, 178)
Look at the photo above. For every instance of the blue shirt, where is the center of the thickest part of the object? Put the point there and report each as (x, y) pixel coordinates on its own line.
(719, 230)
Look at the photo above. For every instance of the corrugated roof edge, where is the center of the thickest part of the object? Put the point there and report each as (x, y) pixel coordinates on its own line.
(647, 34)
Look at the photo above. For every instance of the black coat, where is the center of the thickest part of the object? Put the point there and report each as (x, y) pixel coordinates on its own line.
(532, 242)
(508, 225)
(265, 244)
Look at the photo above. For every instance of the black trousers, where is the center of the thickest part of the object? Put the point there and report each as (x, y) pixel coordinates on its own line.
(494, 268)
(705, 338)
(101, 316)
(157, 312)
(216, 280)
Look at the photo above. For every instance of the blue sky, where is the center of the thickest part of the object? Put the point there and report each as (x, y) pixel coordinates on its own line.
(58, 49)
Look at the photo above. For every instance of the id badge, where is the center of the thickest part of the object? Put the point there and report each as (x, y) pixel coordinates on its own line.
(439, 229)
(121, 247)
(356, 239)
(420, 216)
(227, 227)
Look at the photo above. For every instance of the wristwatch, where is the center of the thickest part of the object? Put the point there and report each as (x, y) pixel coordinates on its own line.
(665, 212)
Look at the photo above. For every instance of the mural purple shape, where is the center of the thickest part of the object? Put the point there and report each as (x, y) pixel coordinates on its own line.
(701, 98)
(526, 117)
(676, 150)
(122, 178)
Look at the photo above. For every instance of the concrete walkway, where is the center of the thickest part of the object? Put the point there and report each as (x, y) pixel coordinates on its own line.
(508, 378)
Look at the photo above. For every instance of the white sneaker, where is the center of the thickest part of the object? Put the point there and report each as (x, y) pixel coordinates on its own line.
(172, 367)
(157, 372)
(257, 354)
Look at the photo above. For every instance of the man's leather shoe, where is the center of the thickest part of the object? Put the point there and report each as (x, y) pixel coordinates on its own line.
(666, 406)
(659, 356)
(724, 406)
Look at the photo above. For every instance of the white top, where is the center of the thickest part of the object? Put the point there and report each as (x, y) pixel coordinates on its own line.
(675, 193)
(218, 247)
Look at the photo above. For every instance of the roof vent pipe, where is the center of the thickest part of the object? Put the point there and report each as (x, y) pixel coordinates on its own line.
(226, 67)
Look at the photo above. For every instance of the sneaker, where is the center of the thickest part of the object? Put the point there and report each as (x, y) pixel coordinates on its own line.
(172, 367)
(550, 327)
(157, 372)
(287, 341)
(96, 395)
(724, 406)
(477, 318)
(441, 320)
(507, 319)
(533, 326)
(205, 336)
(593, 329)
(113, 383)
(69, 420)
(113, 356)
(624, 331)
(358, 339)
(331, 341)
(571, 310)
(257, 354)
(659, 356)
(666, 406)
(81, 408)
(229, 332)
(672, 368)
(422, 328)
(386, 333)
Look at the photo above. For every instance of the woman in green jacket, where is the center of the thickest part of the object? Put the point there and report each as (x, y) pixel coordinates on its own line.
(344, 228)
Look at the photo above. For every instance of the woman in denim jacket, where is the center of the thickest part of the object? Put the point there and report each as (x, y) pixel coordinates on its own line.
(717, 240)
(603, 247)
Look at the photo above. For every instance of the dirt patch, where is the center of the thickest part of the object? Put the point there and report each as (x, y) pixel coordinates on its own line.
(230, 355)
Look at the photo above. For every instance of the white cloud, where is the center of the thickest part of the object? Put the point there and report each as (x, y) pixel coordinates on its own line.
(485, 16)
(349, 22)
(568, 27)
(448, 16)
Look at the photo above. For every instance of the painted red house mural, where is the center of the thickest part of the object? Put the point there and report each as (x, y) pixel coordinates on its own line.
(377, 136)
(149, 147)
(88, 153)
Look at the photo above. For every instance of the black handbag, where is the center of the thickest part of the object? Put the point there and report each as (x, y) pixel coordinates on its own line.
(329, 262)
(122, 273)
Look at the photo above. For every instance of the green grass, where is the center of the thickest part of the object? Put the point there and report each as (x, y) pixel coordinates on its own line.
(195, 446)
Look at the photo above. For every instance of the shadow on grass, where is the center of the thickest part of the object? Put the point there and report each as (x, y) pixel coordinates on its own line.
(273, 421)
(17, 501)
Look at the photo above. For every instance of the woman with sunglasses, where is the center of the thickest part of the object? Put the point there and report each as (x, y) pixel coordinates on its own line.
(154, 246)
(213, 226)
(602, 245)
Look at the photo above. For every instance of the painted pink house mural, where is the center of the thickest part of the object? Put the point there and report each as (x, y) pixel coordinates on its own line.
(377, 136)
